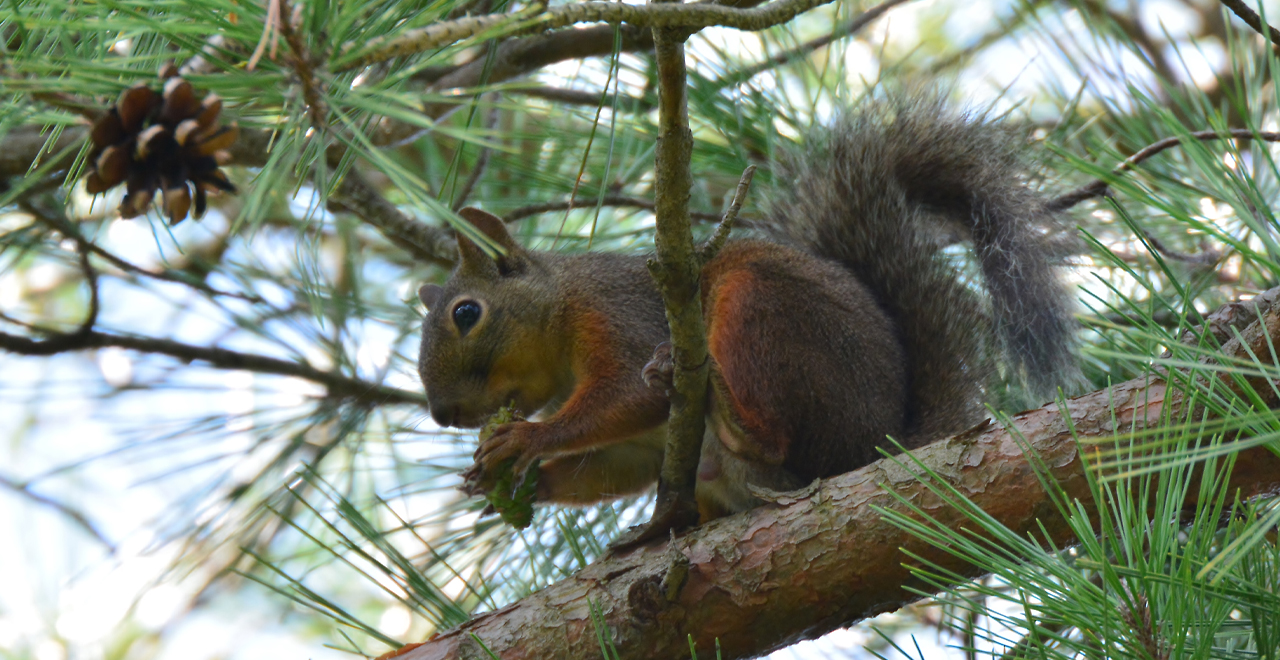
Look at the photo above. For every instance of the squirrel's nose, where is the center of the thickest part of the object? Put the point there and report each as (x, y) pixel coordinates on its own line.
(445, 415)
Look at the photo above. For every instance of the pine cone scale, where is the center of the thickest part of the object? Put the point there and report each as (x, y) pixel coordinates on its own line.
(170, 141)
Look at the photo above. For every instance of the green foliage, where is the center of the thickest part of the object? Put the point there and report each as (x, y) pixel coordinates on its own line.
(349, 509)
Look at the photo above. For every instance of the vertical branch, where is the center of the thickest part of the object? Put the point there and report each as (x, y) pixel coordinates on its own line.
(676, 268)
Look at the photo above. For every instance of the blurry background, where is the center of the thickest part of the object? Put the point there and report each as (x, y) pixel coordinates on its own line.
(155, 505)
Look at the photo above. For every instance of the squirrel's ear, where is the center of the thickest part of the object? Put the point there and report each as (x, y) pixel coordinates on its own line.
(429, 294)
(493, 227)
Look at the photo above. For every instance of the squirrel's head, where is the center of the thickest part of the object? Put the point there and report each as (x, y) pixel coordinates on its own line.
(485, 336)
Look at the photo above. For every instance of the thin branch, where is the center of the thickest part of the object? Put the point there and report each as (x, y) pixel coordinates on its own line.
(338, 385)
(482, 161)
(69, 230)
(581, 97)
(609, 200)
(421, 240)
(1133, 28)
(676, 269)
(1208, 258)
(90, 278)
(270, 34)
(717, 240)
(1100, 188)
(848, 28)
(88, 110)
(1002, 32)
(24, 146)
(1253, 20)
(534, 18)
(512, 59)
(468, 8)
(75, 515)
(304, 65)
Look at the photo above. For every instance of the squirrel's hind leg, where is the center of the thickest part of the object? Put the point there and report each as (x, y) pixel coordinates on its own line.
(807, 372)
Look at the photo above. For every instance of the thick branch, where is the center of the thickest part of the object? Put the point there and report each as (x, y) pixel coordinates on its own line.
(825, 558)
(338, 385)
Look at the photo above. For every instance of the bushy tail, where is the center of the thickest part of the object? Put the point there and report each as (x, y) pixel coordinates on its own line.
(879, 191)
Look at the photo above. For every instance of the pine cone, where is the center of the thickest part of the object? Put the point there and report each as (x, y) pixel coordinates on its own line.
(171, 141)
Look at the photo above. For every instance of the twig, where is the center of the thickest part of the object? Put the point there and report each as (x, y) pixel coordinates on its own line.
(421, 240)
(338, 385)
(90, 111)
(1253, 20)
(467, 8)
(69, 230)
(90, 278)
(676, 269)
(535, 18)
(849, 27)
(270, 33)
(580, 97)
(482, 161)
(1208, 257)
(718, 239)
(1099, 187)
(1148, 48)
(75, 515)
(515, 58)
(305, 66)
(609, 200)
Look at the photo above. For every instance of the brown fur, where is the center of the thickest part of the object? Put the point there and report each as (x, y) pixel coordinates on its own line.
(847, 328)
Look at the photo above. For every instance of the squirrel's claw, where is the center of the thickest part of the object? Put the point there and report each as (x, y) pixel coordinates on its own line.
(473, 481)
(509, 442)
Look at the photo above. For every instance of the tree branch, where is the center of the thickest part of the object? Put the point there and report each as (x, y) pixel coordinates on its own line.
(346, 387)
(609, 200)
(676, 269)
(514, 58)
(714, 244)
(580, 97)
(848, 28)
(1100, 188)
(482, 161)
(1253, 20)
(69, 230)
(824, 557)
(537, 18)
(425, 242)
(23, 489)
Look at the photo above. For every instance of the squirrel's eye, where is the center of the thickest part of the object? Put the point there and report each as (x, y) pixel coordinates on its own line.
(465, 315)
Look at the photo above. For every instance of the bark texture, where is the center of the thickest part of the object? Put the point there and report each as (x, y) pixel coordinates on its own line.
(800, 568)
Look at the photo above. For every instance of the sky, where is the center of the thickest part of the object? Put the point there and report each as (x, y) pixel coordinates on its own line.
(70, 594)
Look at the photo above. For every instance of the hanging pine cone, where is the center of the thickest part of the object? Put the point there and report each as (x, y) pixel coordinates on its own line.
(170, 141)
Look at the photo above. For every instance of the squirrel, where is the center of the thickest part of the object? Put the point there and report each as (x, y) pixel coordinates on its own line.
(843, 324)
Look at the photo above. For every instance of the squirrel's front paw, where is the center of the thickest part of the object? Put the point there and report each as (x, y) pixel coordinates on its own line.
(513, 445)
(659, 372)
